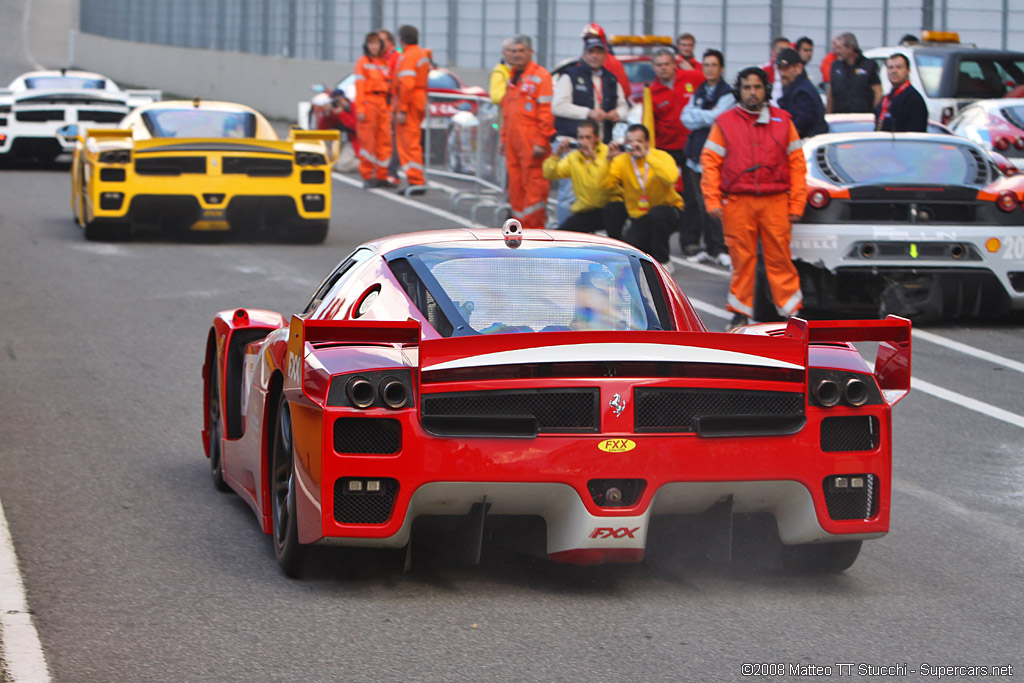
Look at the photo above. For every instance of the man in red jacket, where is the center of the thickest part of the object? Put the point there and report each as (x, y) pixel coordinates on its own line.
(755, 181)
(526, 131)
(670, 93)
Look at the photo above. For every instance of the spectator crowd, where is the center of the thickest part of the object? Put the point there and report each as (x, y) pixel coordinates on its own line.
(719, 164)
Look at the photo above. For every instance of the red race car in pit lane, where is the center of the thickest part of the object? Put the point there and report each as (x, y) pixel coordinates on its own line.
(502, 378)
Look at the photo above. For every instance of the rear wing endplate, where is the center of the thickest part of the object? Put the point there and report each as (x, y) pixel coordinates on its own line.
(892, 364)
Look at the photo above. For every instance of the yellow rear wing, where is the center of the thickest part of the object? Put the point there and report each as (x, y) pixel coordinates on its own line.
(330, 138)
(108, 133)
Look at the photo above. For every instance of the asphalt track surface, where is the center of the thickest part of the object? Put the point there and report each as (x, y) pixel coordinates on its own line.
(137, 569)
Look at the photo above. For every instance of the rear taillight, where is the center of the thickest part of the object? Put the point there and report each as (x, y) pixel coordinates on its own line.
(819, 198)
(1002, 144)
(1018, 142)
(947, 114)
(1007, 201)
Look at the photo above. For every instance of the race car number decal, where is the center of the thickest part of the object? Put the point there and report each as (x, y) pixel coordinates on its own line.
(617, 445)
(294, 368)
(609, 532)
(1014, 248)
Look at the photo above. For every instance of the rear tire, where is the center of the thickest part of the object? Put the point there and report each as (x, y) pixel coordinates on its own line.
(106, 231)
(290, 554)
(216, 456)
(308, 232)
(820, 558)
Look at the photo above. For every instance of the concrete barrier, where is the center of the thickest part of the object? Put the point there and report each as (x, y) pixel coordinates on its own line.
(272, 85)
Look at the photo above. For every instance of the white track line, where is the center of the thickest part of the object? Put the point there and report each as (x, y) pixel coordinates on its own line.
(22, 651)
(394, 196)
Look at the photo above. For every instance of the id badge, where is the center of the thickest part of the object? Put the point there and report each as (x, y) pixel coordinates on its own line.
(643, 203)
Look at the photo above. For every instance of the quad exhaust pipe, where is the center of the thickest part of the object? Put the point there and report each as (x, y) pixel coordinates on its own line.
(360, 392)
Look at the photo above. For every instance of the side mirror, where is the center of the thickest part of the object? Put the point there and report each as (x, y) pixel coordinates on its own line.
(68, 132)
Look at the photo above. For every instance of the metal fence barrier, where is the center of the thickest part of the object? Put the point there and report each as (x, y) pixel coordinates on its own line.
(462, 142)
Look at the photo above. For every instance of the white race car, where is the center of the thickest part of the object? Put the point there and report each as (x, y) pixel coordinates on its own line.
(37, 104)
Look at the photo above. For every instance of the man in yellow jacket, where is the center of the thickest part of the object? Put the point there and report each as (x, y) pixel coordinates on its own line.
(587, 166)
(647, 179)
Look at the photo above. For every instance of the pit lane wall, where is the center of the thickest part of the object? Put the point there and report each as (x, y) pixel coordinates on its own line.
(271, 85)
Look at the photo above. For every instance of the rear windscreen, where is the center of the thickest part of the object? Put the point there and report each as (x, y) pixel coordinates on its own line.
(904, 161)
(199, 123)
(64, 83)
(542, 289)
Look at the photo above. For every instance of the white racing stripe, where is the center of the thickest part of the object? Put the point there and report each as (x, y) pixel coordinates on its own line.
(22, 652)
(600, 352)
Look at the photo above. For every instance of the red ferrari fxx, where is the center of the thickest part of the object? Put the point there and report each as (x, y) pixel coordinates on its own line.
(556, 379)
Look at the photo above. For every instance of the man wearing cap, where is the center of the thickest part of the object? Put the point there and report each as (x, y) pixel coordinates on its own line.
(586, 90)
(775, 89)
(799, 96)
(611, 62)
(903, 109)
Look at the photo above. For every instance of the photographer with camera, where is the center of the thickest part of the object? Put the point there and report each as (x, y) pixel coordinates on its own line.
(647, 178)
(339, 115)
(586, 166)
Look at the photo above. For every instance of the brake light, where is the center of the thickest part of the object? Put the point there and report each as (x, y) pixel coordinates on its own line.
(947, 114)
(1018, 142)
(819, 198)
(1007, 201)
(1002, 144)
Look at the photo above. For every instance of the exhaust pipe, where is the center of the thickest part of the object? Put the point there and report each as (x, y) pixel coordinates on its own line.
(360, 392)
(827, 392)
(868, 250)
(393, 393)
(958, 251)
(856, 392)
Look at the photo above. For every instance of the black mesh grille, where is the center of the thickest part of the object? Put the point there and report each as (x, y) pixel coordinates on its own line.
(899, 212)
(367, 435)
(101, 116)
(363, 506)
(40, 115)
(630, 490)
(112, 174)
(849, 502)
(258, 166)
(659, 410)
(558, 410)
(170, 165)
(849, 433)
(309, 177)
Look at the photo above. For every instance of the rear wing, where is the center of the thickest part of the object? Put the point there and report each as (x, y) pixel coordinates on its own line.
(108, 133)
(137, 98)
(302, 332)
(330, 138)
(299, 135)
(892, 364)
